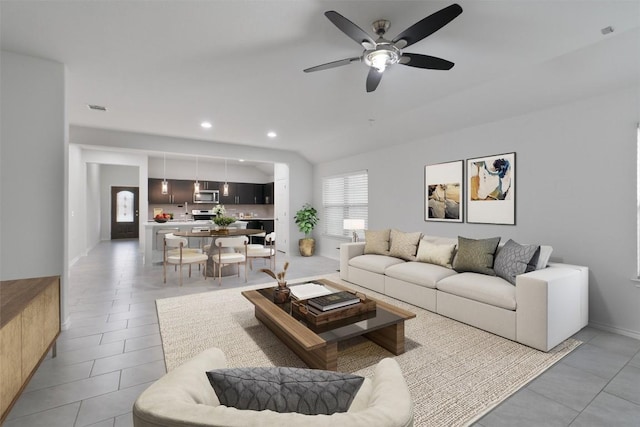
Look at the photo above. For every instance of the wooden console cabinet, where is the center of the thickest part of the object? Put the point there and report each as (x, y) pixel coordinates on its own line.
(29, 326)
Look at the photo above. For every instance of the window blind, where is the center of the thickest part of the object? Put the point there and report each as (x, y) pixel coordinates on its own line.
(344, 197)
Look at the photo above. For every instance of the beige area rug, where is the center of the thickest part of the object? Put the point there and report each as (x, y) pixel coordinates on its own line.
(456, 373)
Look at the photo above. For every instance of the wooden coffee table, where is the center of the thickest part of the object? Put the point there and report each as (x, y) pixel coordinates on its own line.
(319, 350)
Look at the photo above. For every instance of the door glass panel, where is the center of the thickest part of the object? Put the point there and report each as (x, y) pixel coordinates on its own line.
(124, 206)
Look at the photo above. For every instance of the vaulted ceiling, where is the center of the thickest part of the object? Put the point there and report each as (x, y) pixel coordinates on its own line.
(164, 67)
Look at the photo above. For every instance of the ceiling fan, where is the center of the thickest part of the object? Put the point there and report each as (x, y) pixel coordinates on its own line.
(381, 53)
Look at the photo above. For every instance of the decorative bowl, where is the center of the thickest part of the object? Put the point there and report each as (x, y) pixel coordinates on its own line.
(160, 220)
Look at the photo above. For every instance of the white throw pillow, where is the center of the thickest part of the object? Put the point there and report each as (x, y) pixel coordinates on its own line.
(543, 257)
(432, 253)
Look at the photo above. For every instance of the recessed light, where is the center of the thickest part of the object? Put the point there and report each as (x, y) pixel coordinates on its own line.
(241, 160)
(272, 134)
(206, 125)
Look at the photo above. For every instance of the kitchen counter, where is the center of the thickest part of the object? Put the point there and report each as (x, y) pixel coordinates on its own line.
(177, 223)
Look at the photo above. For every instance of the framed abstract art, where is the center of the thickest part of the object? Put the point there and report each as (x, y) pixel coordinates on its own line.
(491, 190)
(444, 198)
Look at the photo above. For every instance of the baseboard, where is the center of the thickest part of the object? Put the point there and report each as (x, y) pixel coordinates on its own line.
(66, 324)
(619, 331)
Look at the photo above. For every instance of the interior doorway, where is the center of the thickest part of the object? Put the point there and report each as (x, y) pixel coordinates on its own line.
(124, 213)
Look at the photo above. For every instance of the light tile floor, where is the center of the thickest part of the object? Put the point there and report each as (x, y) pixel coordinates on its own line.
(112, 352)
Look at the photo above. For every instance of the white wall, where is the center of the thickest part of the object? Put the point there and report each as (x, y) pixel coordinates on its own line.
(93, 221)
(207, 170)
(120, 143)
(77, 206)
(576, 191)
(32, 161)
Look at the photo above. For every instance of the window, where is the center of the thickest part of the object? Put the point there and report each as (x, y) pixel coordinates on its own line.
(344, 197)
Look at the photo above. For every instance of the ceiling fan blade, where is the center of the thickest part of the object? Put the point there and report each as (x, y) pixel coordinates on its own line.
(425, 61)
(332, 64)
(350, 29)
(373, 79)
(429, 25)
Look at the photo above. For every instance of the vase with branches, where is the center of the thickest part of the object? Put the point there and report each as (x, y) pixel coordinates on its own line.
(282, 293)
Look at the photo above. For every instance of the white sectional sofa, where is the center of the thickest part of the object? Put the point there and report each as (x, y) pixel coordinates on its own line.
(543, 308)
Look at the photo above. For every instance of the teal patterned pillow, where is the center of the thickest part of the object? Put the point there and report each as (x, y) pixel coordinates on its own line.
(281, 389)
(476, 255)
(514, 258)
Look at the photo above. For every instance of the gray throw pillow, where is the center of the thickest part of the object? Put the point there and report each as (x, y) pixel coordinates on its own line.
(281, 389)
(476, 255)
(514, 259)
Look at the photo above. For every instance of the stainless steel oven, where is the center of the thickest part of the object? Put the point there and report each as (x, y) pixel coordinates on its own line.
(202, 214)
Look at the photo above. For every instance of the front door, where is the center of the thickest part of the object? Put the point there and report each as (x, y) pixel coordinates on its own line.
(124, 213)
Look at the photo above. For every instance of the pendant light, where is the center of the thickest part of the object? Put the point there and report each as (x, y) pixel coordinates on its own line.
(225, 187)
(165, 185)
(196, 185)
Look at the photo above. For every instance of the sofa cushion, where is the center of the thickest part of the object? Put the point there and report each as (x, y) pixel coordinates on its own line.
(490, 290)
(419, 273)
(404, 245)
(476, 255)
(377, 241)
(514, 258)
(374, 263)
(439, 254)
(283, 389)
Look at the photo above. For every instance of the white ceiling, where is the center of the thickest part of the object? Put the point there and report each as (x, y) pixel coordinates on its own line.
(163, 67)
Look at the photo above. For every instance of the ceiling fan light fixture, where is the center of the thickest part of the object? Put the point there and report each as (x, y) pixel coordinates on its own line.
(382, 57)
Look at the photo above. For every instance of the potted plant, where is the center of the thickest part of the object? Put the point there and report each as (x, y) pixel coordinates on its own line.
(306, 219)
(223, 222)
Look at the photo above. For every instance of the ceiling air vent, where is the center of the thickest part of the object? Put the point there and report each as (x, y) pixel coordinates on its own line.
(97, 107)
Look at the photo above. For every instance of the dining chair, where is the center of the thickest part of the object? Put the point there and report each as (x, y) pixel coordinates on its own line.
(266, 251)
(168, 251)
(176, 253)
(227, 254)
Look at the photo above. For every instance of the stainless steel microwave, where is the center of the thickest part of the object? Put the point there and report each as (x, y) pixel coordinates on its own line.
(207, 196)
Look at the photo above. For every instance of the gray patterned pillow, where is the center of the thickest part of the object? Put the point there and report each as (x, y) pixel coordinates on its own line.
(514, 259)
(376, 242)
(404, 245)
(476, 255)
(281, 389)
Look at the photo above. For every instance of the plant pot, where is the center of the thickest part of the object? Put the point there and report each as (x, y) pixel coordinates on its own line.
(307, 246)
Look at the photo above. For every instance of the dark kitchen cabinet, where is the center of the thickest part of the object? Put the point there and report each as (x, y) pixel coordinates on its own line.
(268, 193)
(155, 192)
(250, 194)
(242, 193)
(231, 198)
(180, 191)
(209, 185)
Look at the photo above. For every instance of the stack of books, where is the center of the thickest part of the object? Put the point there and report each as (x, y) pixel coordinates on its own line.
(332, 301)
